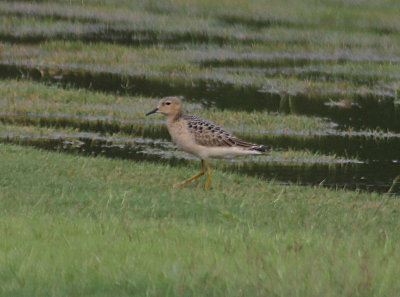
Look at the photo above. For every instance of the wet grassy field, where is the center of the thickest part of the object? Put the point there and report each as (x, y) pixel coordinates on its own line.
(86, 203)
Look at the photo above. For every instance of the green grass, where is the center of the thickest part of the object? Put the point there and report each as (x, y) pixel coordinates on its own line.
(195, 27)
(94, 227)
(185, 60)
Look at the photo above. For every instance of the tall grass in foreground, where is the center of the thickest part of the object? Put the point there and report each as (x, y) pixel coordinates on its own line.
(78, 226)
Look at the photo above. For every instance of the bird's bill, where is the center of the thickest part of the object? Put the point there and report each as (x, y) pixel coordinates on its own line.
(151, 112)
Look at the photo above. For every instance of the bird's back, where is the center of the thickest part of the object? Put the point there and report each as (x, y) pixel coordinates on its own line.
(209, 134)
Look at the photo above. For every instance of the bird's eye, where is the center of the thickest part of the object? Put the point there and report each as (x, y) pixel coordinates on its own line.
(167, 103)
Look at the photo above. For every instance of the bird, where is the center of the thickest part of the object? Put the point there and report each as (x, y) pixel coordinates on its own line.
(202, 138)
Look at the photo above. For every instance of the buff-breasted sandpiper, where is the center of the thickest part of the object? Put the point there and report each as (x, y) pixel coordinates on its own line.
(202, 138)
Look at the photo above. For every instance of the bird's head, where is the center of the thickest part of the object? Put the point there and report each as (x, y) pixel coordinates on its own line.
(168, 106)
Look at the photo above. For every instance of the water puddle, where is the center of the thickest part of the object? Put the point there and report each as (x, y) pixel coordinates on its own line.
(372, 176)
(260, 22)
(368, 146)
(372, 109)
(288, 59)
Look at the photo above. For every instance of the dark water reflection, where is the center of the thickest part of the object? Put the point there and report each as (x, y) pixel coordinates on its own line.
(367, 109)
(370, 176)
(366, 146)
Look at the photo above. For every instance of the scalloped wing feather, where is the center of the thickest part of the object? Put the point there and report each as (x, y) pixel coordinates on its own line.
(208, 133)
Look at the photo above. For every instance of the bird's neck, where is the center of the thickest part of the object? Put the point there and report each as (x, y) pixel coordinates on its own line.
(174, 117)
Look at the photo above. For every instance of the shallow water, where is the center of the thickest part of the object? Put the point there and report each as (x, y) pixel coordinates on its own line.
(287, 59)
(260, 22)
(367, 146)
(346, 174)
(366, 109)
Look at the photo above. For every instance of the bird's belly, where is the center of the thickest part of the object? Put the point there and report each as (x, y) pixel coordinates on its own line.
(185, 141)
(226, 152)
(188, 146)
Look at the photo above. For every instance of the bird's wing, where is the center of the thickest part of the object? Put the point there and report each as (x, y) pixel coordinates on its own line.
(210, 134)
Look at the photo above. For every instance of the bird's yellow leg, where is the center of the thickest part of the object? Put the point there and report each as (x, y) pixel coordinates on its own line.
(193, 177)
(209, 171)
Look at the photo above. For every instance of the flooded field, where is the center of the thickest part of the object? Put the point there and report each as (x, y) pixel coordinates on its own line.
(88, 199)
(350, 85)
(371, 175)
(364, 109)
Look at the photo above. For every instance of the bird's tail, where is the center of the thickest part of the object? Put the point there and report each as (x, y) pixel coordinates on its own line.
(261, 148)
(264, 149)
